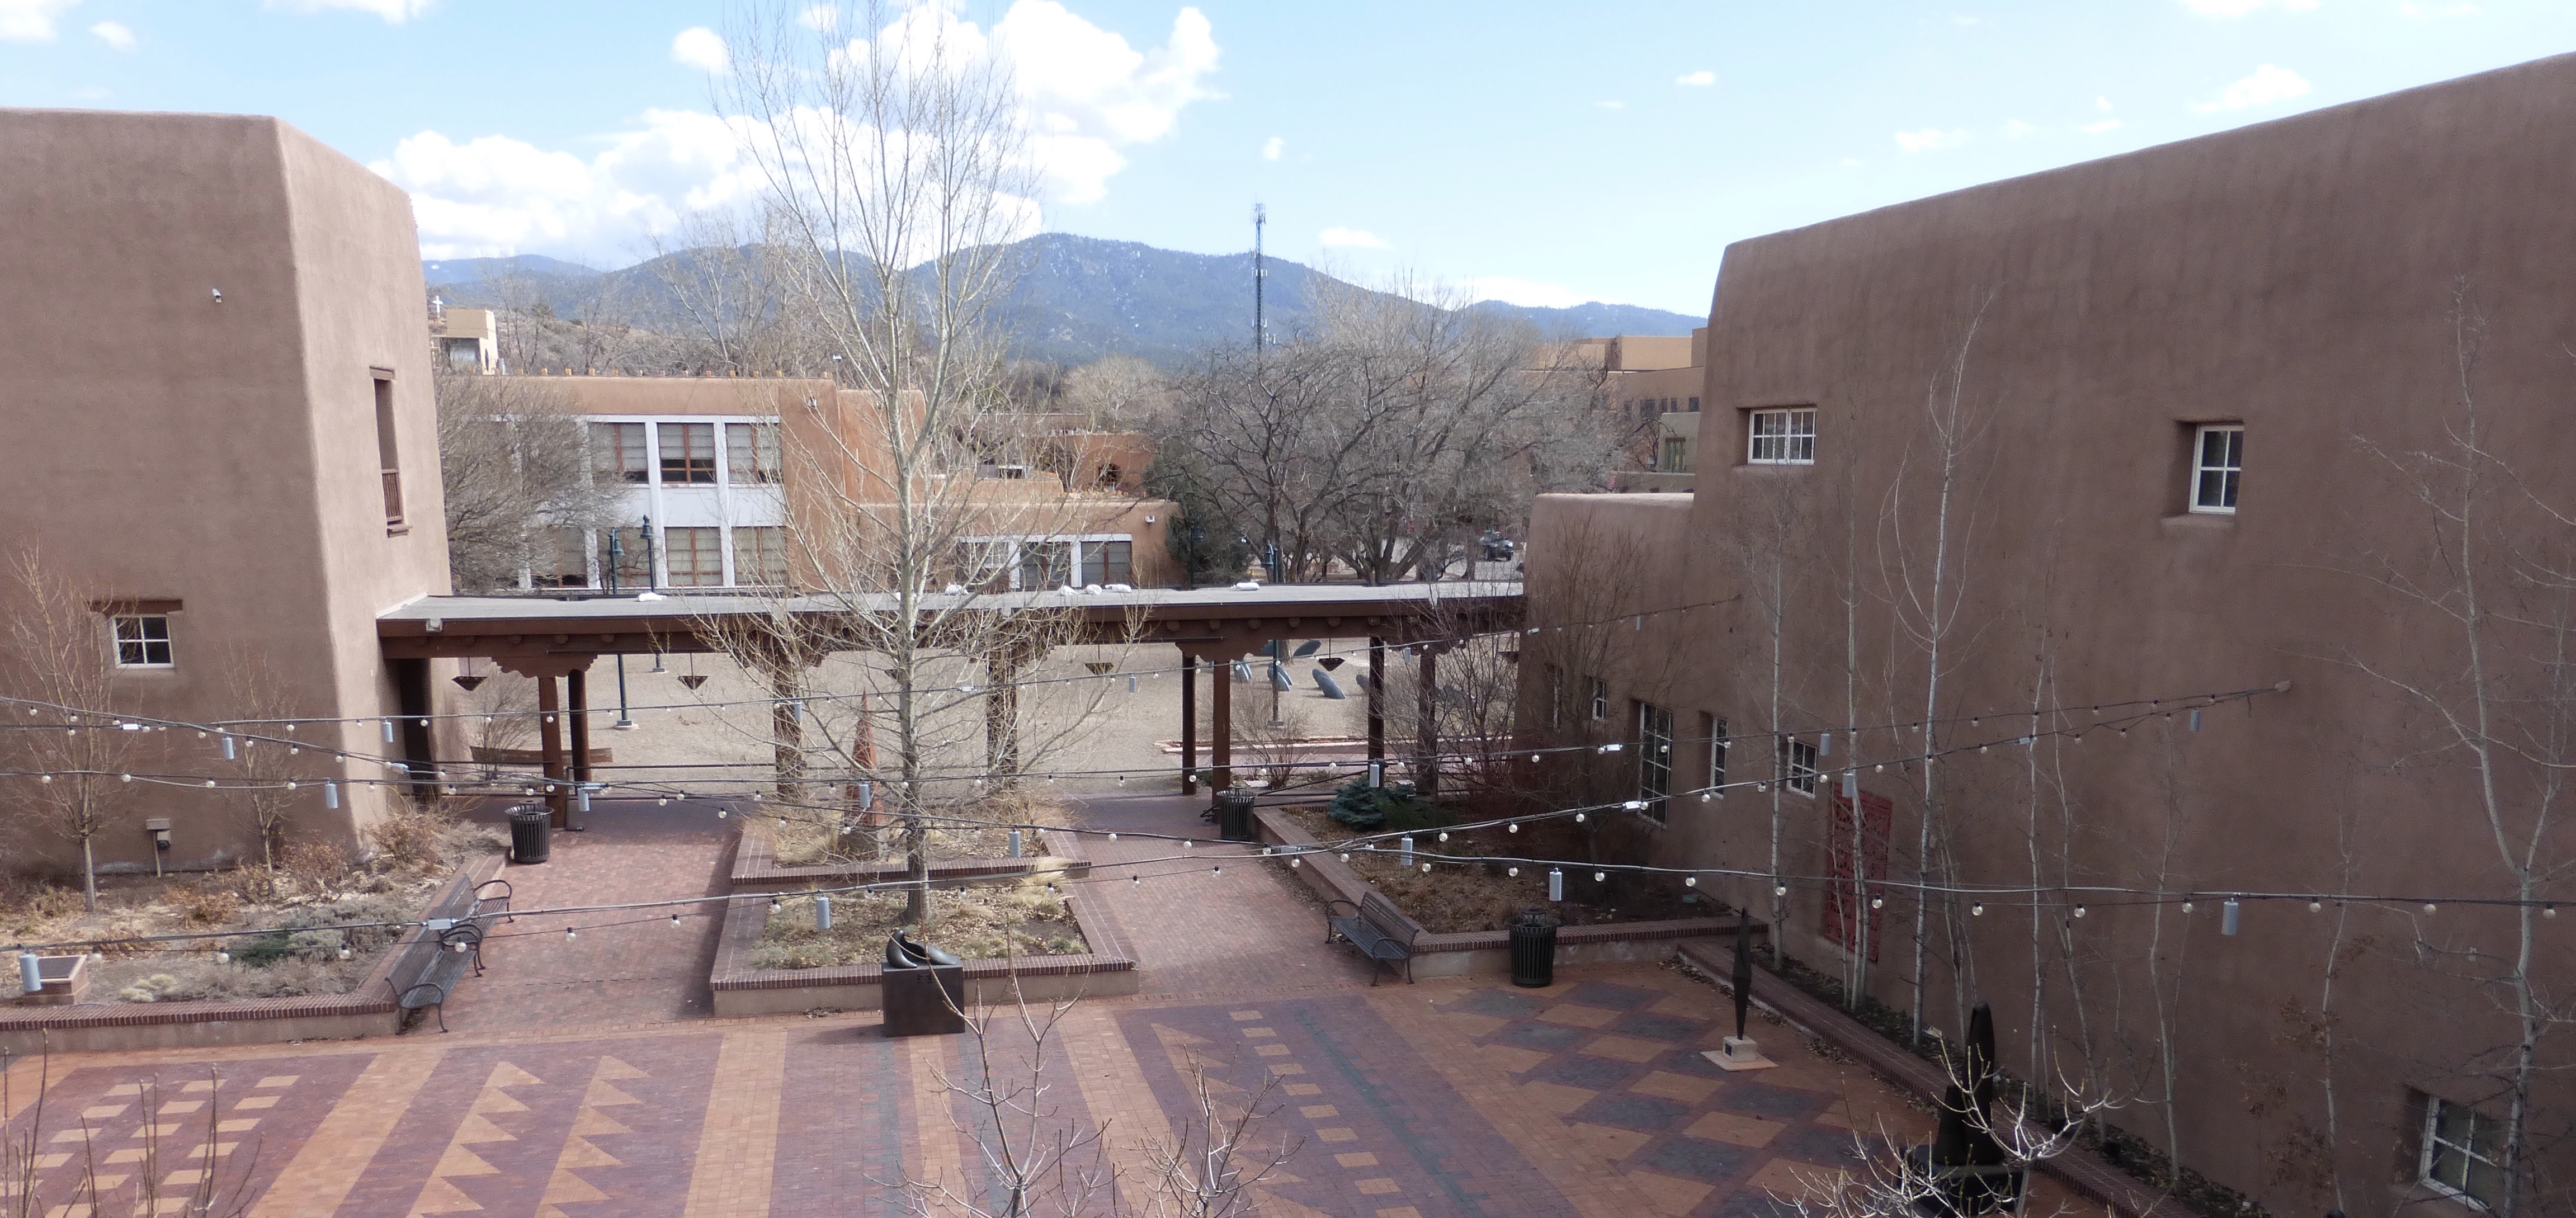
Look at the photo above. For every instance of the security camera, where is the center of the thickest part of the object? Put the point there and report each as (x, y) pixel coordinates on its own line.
(219, 295)
(160, 831)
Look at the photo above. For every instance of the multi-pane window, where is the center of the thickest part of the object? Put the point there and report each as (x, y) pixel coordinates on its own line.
(1781, 437)
(1714, 728)
(1675, 458)
(1797, 765)
(1600, 700)
(760, 556)
(617, 452)
(2463, 1153)
(142, 640)
(2218, 456)
(561, 560)
(1045, 564)
(1654, 756)
(388, 454)
(626, 557)
(751, 453)
(694, 557)
(1107, 562)
(688, 454)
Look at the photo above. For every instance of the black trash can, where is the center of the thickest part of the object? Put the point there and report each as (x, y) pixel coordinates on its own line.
(531, 834)
(1533, 948)
(1234, 814)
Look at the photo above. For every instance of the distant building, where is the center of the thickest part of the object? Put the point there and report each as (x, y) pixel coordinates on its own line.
(468, 340)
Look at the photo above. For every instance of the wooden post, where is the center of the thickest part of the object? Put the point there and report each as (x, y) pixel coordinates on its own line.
(1426, 767)
(1221, 732)
(1189, 724)
(1377, 699)
(551, 750)
(577, 709)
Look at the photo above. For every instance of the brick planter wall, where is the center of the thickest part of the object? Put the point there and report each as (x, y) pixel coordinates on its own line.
(1106, 970)
(1489, 951)
(367, 1010)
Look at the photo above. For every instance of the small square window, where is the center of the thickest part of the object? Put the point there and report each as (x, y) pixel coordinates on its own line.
(1781, 437)
(2463, 1153)
(1654, 757)
(142, 640)
(1600, 700)
(1797, 765)
(2217, 457)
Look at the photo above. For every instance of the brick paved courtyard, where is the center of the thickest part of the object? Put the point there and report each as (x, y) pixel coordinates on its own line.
(581, 1078)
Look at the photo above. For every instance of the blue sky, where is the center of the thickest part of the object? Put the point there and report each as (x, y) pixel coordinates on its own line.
(1546, 153)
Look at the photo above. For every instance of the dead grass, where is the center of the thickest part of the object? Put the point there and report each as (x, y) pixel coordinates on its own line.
(979, 922)
(1475, 897)
(806, 837)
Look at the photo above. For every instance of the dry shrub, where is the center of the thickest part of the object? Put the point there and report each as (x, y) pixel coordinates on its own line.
(211, 902)
(811, 836)
(313, 865)
(200, 979)
(26, 907)
(407, 838)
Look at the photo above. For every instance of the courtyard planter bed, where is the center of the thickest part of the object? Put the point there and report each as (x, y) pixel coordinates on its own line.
(1103, 968)
(1457, 953)
(366, 1010)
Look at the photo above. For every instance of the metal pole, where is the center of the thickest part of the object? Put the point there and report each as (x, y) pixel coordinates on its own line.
(616, 556)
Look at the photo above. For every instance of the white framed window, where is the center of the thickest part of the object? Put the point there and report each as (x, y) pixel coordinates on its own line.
(1654, 757)
(1797, 765)
(142, 640)
(1714, 727)
(1781, 437)
(1600, 700)
(2217, 457)
(2462, 1153)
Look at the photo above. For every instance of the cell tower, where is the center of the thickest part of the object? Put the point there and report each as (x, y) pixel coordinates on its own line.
(1260, 273)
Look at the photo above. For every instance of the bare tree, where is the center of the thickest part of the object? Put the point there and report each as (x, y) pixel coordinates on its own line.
(1211, 1167)
(1115, 393)
(2492, 577)
(261, 798)
(725, 289)
(61, 658)
(516, 465)
(1036, 1159)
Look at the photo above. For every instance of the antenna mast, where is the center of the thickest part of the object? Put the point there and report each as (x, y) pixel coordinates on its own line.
(1260, 272)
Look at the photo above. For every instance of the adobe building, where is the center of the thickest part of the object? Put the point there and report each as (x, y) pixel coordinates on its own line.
(222, 440)
(723, 471)
(2100, 531)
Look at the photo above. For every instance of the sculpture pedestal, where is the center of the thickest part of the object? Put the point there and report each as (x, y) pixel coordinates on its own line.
(928, 1001)
(1738, 1053)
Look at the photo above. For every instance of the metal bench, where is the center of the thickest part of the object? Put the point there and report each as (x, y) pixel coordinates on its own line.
(1381, 933)
(460, 950)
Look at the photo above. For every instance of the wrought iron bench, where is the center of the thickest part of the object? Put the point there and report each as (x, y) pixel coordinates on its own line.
(1374, 926)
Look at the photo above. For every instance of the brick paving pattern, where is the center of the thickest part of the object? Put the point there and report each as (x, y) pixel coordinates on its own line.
(582, 1080)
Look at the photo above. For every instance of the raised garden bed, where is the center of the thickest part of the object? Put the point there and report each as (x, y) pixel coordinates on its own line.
(798, 855)
(988, 920)
(1456, 953)
(1458, 900)
(1099, 967)
(367, 1009)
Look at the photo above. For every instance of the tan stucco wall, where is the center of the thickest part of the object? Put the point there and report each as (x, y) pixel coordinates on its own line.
(165, 445)
(2297, 276)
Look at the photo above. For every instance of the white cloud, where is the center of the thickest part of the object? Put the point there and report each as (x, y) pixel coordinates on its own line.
(2108, 124)
(1271, 149)
(1851, 162)
(2017, 129)
(2102, 104)
(2268, 84)
(2422, 11)
(395, 12)
(2242, 8)
(701, 48)
(1532, 295)
(1610, 105)
(822, 18)
(31, 20)
(1086, 94)
(1696, 80)
(114, 34)
(1930, 139)
(1353, 236)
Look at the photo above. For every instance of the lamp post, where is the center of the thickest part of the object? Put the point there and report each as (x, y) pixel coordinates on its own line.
(617, 556)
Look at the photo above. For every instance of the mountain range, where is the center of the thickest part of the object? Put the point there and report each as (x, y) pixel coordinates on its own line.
(1076, 300)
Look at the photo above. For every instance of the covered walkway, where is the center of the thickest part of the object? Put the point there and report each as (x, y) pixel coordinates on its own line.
(555, 638)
